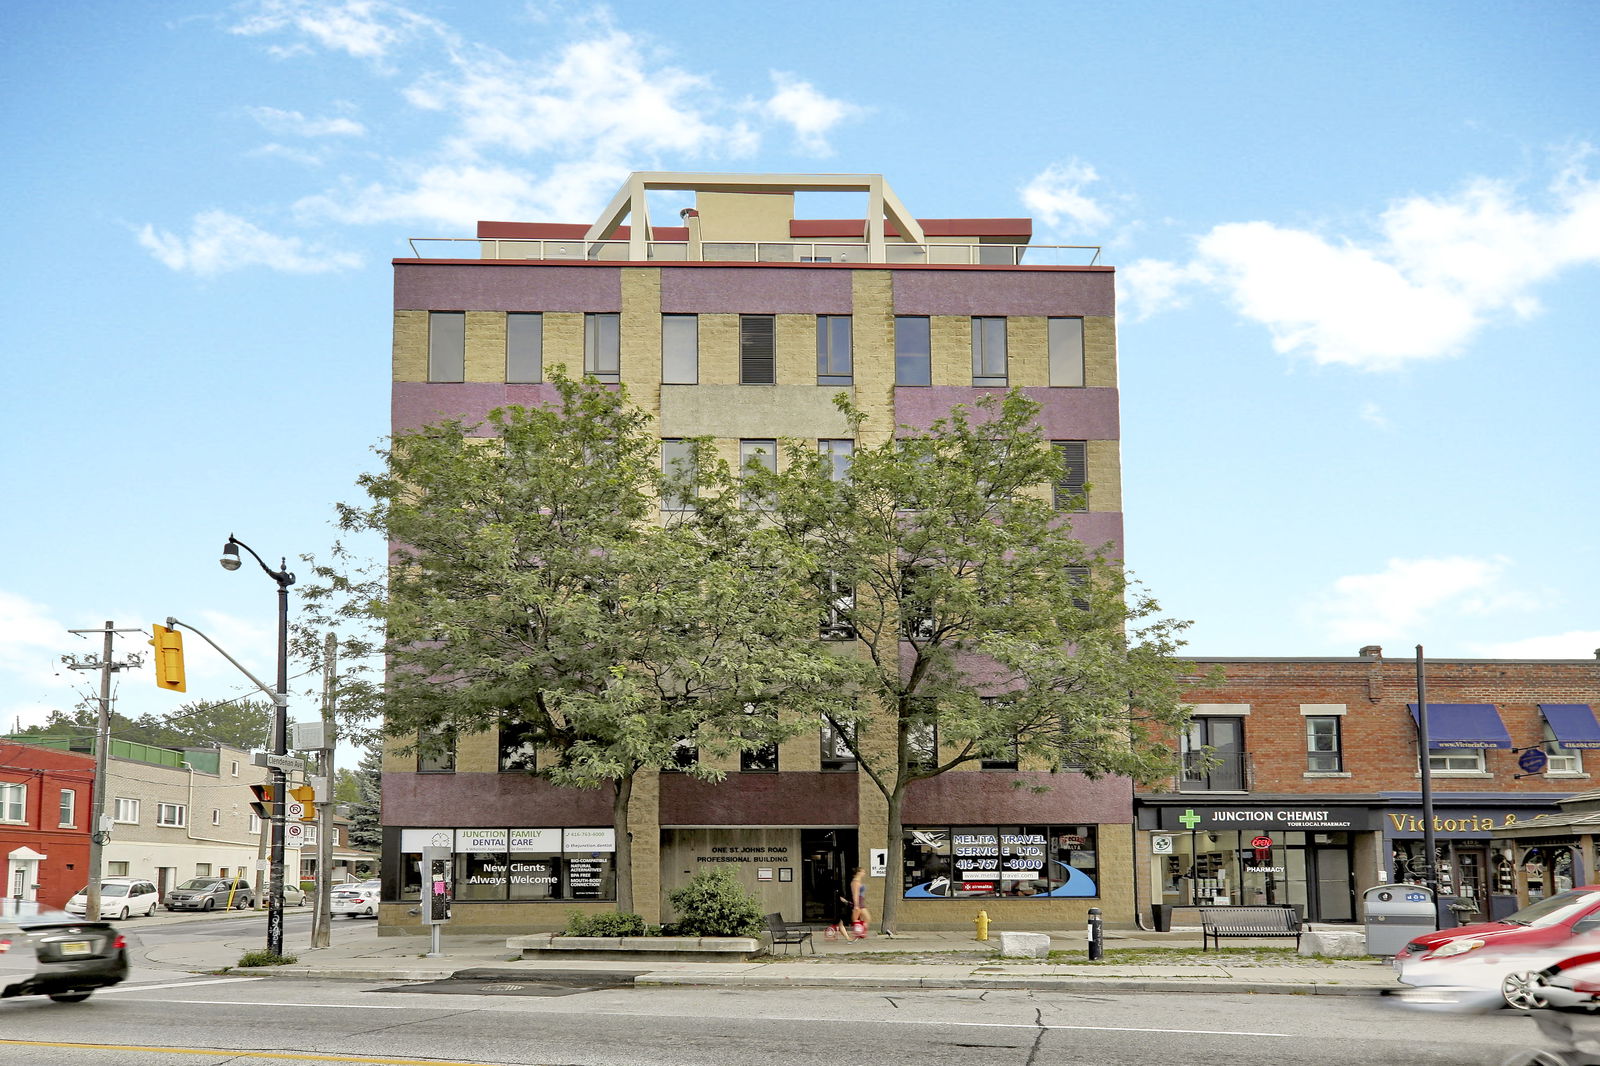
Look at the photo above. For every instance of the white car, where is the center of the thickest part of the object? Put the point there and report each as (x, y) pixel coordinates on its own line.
(1467, 970)
(120, 897)
(356, 900)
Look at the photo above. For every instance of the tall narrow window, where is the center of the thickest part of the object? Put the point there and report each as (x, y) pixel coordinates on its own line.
(1324, 753)
(1078, 578)
(1066, 352)
(602, 347)
(836, 751)
(447, 345)
(922, 743)
(436, 754)
(524, 348)
(913, 353)
(761, 453)
(1007, 757)
(834, 364)
(763, 759)
(1069, 487)
(989, 351)
(839, 621)
(680, 349)
(837, 453)
(13, 802)
(69, 806)
(518, 752)
(678, 474)
(758, 363)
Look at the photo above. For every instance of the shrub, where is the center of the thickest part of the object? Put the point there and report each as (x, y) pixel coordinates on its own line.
(263, 957)
(715, 904)
(579, 924)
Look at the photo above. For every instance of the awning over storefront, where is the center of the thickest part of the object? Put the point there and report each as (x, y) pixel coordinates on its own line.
(1572, 723)
(1464, 725)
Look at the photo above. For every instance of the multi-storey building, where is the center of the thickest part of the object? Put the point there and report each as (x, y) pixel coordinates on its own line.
(1301, 783)
(742, 324)
(173, 814)
(45, 802)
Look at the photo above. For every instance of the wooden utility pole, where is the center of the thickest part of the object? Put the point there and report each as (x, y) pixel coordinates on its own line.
(321, 935)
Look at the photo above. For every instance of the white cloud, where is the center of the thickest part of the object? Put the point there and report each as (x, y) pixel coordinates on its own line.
(812, 113)
(1057, 195)
(1397, 603)
(454, 196)
(296, 124)
(219, 242)
(1577, 644)
(30, 642)
(1373, 415)
(1436, 271)
(365, 29)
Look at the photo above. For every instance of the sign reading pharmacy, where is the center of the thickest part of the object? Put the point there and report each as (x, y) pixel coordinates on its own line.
(1213, 819)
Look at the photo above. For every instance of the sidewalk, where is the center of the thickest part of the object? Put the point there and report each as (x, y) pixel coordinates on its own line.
(939, 959)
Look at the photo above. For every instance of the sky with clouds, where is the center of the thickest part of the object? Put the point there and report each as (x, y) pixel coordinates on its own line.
(1358, 254)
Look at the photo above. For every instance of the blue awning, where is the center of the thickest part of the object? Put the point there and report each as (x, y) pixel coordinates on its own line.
(1572, 723)
(1464, 725)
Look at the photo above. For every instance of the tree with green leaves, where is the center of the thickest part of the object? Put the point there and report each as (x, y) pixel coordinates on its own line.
(535, 587)
(366, 822)
(986, 629)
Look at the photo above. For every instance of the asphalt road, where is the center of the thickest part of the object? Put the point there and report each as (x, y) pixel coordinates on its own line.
(260, 1021)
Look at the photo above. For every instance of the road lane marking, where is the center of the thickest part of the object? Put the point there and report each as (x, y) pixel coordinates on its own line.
(178, 984)
(237, 1053)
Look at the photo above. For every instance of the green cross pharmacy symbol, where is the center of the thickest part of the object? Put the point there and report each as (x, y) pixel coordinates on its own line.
(1189, 818)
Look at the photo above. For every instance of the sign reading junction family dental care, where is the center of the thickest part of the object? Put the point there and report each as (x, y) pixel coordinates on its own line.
(1276, 816)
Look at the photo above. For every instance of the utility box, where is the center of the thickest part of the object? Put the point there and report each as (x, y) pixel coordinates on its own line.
(1396, 914)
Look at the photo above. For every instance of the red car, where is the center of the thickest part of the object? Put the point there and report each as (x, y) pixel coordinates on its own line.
(1548, 923)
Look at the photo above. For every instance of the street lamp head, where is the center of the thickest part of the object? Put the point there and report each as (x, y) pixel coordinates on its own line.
(230, 555)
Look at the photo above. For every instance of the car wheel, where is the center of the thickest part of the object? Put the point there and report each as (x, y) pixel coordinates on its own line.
(241, 903)
(371, 913)
(124, 914)
(69, 997)
(208, 904)
(1524, 990)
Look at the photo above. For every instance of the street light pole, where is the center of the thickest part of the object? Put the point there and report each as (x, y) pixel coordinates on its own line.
(280, 736)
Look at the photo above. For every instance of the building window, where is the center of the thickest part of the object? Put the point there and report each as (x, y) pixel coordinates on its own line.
(839, 622)
(917, 622)
(680, 349)
(837, 454)
(837, 756)
(1066, 352)
(127, 811)
(1001, 861)
(1007, 757)
(1078, 578)
(437, 754)
(922, 743)
(761, 453)
(913, 352)
(202, 869)
(989, 351)
(173, 814)
(602, 347)
(1456, 760)
(678, 473)
(524, 348)
(1069, 488)
(235, 770)
(1324, 750)
(1562, 760)
(216, 816)
(69, 807)
(255, 824)
(834, 366)
(685, 753)
(116, 869)
(447, 345)
(310, 834)
(518, 752)
(758, 364)
(1213, 755)
(765, 758)
(13, 802)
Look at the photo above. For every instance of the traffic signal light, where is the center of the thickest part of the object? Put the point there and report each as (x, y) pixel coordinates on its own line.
(168, 657)
(306, 796)
(262, 804)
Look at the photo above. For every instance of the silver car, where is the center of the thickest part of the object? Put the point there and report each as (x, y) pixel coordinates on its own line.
(210, 893)
(52, 953)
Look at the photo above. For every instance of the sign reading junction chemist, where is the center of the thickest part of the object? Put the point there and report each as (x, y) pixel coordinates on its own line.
(1213, 819)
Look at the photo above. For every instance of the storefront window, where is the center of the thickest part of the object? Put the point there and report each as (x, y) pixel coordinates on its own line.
(993, 862)
(523, 865)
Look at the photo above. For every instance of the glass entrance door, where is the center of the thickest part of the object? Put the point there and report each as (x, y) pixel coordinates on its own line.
(1331, 870)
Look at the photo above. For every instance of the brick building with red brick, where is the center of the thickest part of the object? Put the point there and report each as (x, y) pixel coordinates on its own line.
(1301, 783)
(46, 800)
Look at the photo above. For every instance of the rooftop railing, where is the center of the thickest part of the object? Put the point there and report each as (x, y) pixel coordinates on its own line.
(762, 251)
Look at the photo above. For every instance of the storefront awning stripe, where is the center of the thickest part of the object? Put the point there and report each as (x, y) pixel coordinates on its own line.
(1572, 723)
(1463, 725)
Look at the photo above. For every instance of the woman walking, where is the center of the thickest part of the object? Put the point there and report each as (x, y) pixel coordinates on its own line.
(860, 916)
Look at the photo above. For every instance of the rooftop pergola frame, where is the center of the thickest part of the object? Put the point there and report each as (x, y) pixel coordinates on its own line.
(629, 204)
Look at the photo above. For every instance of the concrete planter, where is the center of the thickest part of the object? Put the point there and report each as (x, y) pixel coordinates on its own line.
(639, 948)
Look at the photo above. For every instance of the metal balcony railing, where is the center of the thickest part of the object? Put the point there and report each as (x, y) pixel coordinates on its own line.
(762, 251)
(1215, 772)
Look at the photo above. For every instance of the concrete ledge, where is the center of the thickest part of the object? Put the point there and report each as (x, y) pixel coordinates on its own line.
(639, 948)
(1023, 945)
(1339, 944)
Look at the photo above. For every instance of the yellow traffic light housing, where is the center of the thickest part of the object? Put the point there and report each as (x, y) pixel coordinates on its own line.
(306, 796)
(168, 657)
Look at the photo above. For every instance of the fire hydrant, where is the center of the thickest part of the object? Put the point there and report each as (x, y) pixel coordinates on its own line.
(982, 921)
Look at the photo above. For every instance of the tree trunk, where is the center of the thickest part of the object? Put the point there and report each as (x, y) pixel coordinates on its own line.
(623, 856)
(894, 876)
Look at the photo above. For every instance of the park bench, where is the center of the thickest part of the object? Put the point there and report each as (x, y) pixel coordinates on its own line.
(1218, 922)
(787, 933)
